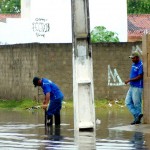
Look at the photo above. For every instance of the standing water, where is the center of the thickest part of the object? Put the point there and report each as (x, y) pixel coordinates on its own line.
(22, 130)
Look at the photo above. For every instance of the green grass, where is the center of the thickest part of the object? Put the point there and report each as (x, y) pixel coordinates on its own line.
(109, 103)
(27, 104)
(98, 103)
(17, 104)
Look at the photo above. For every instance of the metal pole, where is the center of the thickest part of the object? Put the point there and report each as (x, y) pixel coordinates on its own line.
(45, 118)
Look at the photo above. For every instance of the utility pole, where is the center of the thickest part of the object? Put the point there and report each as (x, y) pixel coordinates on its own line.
(146, 63)
(25, 8)
(83, 92)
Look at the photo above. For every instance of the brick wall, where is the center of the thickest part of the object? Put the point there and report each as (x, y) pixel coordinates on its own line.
(20, 63)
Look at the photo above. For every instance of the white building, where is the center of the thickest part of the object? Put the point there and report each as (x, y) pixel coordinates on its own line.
(49, 21)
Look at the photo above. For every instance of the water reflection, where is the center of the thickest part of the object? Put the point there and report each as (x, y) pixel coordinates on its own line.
(53, 133)
(16, 136)
(53, 137)
(138, 141)
(85, 140)
(26, 130)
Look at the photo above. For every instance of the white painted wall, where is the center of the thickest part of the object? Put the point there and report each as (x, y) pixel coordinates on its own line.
(57, 14)
(15, 31)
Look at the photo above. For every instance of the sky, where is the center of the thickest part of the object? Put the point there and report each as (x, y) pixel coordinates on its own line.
(110, 13)
(51, 23)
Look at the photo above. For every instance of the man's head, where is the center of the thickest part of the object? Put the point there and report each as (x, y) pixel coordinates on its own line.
(36, 81)
(135, 56)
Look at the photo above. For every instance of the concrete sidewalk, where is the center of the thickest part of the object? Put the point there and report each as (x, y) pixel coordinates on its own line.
(144, 128)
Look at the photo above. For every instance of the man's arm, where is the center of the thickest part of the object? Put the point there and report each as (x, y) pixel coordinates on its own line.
(134, 79)
(46, 100)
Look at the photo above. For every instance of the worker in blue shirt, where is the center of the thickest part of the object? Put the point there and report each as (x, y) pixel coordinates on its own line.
(53, 98)
(133, 99)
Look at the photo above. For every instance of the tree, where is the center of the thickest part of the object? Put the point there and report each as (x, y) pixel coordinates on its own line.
(100, 34)
(10, 6)
(138, 6)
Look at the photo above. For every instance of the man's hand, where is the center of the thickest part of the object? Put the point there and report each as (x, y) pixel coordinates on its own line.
(44, 106)
(134, 79)
(127, 81)
(46, 101)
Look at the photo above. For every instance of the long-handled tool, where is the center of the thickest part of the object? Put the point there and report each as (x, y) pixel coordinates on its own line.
(45, 116)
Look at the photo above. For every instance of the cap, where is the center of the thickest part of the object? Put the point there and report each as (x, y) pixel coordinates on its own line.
(134, 54)
(35, 81)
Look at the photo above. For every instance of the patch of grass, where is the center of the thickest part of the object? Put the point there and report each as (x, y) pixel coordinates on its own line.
(99, 104)
(109, 104)
(67, 104)
(17, 104)
(28, 103)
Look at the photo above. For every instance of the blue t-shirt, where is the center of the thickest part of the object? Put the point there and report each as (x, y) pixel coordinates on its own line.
(136, 69)
(49, 86)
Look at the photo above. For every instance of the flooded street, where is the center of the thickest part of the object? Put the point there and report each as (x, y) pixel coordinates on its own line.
(25, 130)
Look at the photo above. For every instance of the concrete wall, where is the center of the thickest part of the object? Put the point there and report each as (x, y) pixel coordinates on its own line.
(20, 63)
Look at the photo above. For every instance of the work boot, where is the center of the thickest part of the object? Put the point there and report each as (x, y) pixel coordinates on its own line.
(57, 119)
(135, 118)
(135, 122)
(139, 119)
(49, 120)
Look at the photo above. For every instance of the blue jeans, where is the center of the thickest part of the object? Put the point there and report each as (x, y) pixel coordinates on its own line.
(54, 107)
(133, 101)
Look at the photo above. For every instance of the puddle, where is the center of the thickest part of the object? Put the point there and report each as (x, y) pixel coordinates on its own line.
(25, 130)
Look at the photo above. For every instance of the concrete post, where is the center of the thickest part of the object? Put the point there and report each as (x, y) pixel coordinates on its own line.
(146, 61)
(85, 140)
(83, 93)
(25, 8)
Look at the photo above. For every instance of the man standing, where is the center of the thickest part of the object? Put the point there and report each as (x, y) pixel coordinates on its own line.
(133, 99)
(53, 99)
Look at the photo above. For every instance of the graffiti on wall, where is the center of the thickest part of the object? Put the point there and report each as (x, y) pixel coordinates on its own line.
(114, 78)
(40, 26)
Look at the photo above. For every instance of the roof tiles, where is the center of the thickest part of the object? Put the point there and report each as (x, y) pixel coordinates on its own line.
(4, 16)
(137, 26)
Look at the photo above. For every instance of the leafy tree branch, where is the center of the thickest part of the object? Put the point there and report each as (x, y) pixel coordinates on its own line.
(100, 34)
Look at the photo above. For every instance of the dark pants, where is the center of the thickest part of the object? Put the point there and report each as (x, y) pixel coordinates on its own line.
(54, 109)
